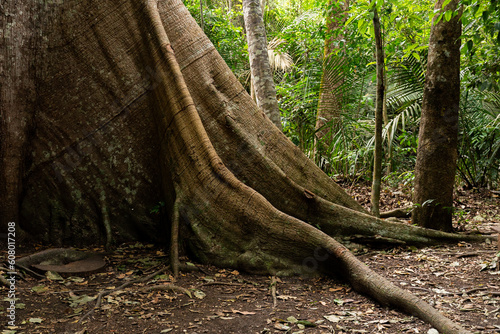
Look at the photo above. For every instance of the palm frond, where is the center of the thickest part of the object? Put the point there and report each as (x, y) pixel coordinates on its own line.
(278, 60)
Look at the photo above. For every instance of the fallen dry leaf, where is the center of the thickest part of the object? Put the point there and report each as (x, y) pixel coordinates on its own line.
(242, 312)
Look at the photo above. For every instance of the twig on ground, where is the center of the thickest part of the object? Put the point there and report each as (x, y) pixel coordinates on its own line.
(472, 290)
(419, 288)
(476, 253)
(3, 280)
(221, 283)
(250, 282)
(467, 254)
(171, 287)
(70, 291)
(180, 306)
(397, 213)
(29, 271)
(494, 311)
(124, 285)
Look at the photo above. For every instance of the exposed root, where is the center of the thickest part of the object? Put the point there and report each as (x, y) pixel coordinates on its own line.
(174, 238)
(274, 282)
(53, 254)
(397, 213)
(366, 281)
(167, 287)
(29, 271)
(107, 225)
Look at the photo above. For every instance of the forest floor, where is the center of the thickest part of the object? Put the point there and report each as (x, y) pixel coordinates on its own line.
(218, 300)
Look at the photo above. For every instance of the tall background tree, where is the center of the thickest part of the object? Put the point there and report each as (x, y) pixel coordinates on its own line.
(331, 94)
(262, 76)
(379, 106)
(435, 168)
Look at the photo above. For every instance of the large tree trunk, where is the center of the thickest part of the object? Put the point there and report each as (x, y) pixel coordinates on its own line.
(135, 101)
(438, 136)
(17, 100)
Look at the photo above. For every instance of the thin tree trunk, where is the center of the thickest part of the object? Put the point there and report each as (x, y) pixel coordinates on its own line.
(262, 76)
(174, 238)
(438, 136)
(252, 90)
(386, 121)
(384, 109)
(377, 152)
(202, 22)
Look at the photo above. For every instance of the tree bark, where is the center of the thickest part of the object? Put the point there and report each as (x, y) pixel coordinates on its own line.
(17, 100)
(262, 76)
(136, 106)
(379, 107)
(438, 136)
(94, 137)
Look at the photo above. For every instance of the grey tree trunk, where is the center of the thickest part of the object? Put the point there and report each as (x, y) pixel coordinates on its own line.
(262, 76)
(377, 152)
(437, 148)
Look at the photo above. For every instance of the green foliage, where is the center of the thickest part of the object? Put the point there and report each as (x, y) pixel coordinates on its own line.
(479, 148)
(481, 45)
(229, 40)
(157, 208)
(297, 32)
(298, 92)
(224, 28)
(399, 180)
(349, 156)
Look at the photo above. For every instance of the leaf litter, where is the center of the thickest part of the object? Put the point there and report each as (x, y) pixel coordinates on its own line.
(460, 280)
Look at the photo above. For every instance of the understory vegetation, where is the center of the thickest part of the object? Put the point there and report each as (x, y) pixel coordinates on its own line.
(296, 33)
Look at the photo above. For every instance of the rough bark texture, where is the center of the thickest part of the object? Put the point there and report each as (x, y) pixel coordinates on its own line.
(136, 106)
(17, 100)
(97, 144)
(379, 106)
(331, 94)
(438, 136)
(91, 150)
(262, 76)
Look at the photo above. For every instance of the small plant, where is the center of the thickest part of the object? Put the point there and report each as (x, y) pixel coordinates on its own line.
(403, 180)
(157, 208)
(460, 216)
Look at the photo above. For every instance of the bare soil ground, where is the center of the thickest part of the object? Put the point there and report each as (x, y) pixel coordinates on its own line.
(214, 300)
